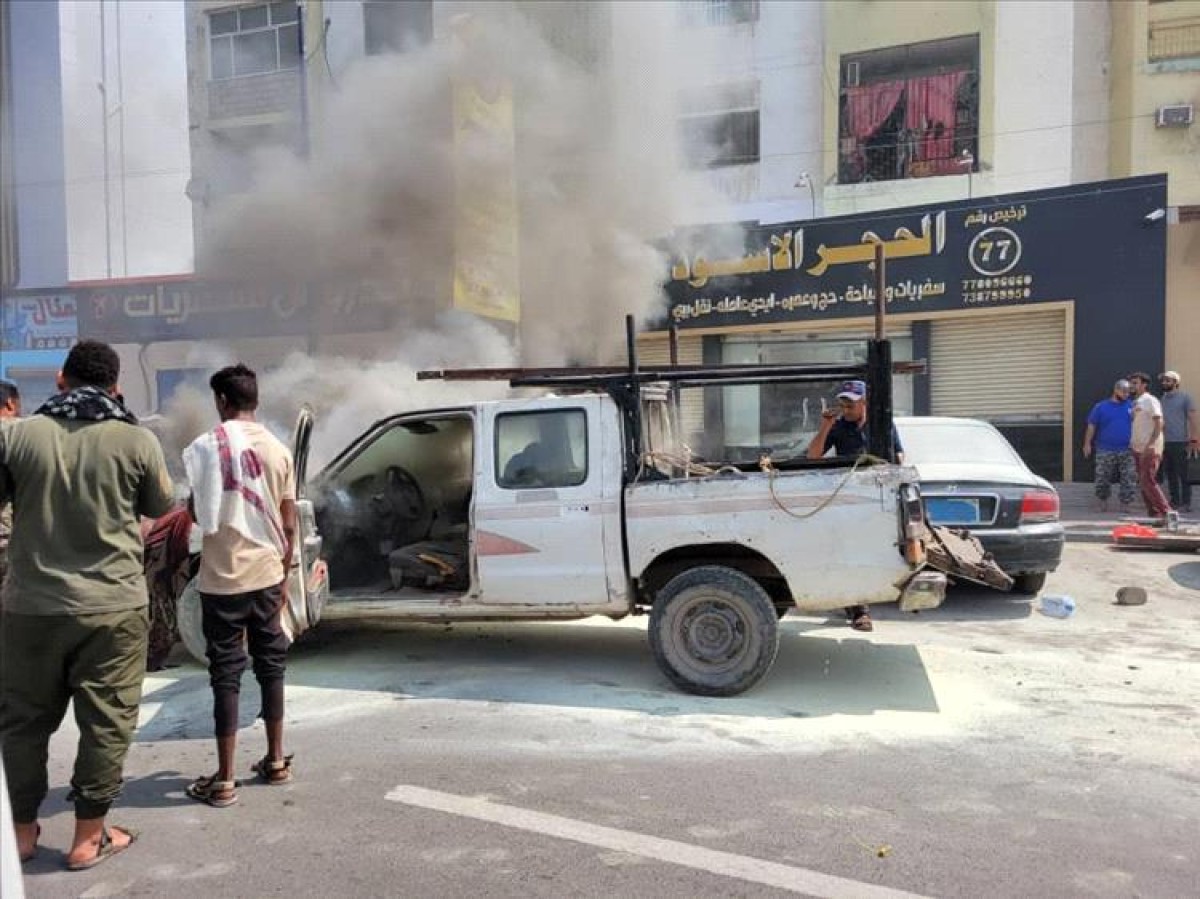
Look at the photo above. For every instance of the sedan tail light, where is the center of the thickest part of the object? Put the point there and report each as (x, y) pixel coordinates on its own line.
(1039, 505)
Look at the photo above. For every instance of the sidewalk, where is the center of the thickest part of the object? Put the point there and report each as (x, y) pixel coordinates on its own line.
(1082, 522)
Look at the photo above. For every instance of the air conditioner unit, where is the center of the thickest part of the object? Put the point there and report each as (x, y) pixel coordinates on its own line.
(1178, 116)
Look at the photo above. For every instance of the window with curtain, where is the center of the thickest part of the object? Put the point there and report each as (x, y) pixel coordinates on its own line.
(910, 111)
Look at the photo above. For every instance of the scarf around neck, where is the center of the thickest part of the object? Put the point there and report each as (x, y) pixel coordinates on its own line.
(86, 404)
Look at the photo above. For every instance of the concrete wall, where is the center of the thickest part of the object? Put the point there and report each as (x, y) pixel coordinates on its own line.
(1140, 87)
(1043, 92)
(781, 51)
(1183, 303)
(38, 165)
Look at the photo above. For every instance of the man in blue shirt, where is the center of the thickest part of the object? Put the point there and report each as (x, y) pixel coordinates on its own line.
(1109, 428)
(847, 434)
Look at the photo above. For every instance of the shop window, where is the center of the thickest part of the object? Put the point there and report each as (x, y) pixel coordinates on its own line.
(254, 40)
(784, 417)
(697, 13)
(392, 27)
(719, 125)
(910, 111)
(541, 449)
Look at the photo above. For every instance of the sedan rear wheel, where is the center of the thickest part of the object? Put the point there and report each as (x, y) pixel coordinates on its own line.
(1029, 584)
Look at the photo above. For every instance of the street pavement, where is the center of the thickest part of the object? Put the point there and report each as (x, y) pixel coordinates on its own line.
(982, 749)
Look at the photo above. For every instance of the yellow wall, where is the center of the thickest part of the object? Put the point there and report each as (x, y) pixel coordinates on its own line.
(852, 26)
(1183, 303)
(1139, 88)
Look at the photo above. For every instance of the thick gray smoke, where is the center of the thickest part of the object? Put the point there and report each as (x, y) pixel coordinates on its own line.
(598, 180)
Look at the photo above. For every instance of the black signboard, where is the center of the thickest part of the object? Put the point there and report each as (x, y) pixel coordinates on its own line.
(1101, 245)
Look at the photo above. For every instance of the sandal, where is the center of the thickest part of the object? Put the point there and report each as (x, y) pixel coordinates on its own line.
(217, 793)
(33, 853)
(106, 850)
(273, 771)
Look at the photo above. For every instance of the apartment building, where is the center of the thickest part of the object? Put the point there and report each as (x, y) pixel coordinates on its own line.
(1155, 93)
(981, 116)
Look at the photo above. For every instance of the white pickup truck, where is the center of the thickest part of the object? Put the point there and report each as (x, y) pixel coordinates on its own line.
(563, 506)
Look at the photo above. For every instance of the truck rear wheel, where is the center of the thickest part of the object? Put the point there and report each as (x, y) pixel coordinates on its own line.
(713, 631)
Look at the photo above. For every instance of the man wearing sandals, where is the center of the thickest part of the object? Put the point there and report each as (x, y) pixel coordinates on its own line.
(244, 501)
(844, 430)
(80, 474)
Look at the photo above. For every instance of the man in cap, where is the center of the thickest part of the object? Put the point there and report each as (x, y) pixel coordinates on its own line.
(1109, 429)
(845, 431)
(1181, 439)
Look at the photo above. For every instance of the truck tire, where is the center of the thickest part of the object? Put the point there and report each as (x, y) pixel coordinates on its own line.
(189, 619)
(713, 631)
(1029, 584)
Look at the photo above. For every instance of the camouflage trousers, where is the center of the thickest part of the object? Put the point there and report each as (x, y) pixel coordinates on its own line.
(1116, 468)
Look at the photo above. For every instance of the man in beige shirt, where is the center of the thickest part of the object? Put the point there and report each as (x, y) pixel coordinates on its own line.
(1147, 444)
(80, 474)
(244, 501)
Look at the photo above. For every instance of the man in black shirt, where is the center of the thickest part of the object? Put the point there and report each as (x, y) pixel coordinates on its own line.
(846, 433)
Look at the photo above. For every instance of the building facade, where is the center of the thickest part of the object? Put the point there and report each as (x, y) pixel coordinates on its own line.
(986, 110)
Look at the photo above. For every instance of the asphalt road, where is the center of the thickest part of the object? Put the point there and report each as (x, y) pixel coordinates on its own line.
(982, 749)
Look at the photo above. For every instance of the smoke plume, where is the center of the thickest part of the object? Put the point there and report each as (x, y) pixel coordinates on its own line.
(599, 186)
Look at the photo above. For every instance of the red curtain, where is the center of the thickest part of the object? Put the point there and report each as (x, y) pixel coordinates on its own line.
(930, 113)
(869, 106)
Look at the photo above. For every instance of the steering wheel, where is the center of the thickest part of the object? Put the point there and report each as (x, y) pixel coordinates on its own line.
(404, 512)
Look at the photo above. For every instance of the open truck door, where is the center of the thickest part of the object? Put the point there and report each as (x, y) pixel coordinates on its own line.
(308, 586)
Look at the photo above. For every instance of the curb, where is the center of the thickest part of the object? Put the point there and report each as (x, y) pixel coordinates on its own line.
(1087, 534)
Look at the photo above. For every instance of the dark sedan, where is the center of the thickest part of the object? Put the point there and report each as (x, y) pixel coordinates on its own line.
(972, 478)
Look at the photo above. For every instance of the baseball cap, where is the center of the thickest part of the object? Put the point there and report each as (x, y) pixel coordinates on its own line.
(852, 390)
(1173, 375)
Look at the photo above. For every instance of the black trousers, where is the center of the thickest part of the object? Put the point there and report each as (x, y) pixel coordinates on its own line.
(1174, 469)
(231, 625)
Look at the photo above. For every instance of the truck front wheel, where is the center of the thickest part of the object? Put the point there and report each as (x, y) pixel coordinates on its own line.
(713, 631)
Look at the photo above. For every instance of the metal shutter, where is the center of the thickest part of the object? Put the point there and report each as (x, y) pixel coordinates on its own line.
(654, 351)
(999, 366)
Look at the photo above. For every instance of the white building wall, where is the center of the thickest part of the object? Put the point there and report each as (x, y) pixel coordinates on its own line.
(782, 51)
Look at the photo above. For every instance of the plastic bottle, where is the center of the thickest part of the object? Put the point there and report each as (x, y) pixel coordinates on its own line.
(1057, 606)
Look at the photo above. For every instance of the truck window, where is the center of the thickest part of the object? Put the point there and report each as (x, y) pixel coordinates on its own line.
(541, 449)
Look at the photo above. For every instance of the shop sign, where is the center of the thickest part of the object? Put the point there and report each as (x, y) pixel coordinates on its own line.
(39, 321)
(1074, 243)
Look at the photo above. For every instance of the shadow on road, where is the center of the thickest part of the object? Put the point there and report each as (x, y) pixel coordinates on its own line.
(966, 602)
(593, 665)
(1186, 574)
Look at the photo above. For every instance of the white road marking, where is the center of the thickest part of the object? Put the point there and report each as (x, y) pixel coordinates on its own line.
(742, 867)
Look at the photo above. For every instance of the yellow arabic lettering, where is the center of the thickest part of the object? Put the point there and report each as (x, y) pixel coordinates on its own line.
(904, 245)
(781, 259)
